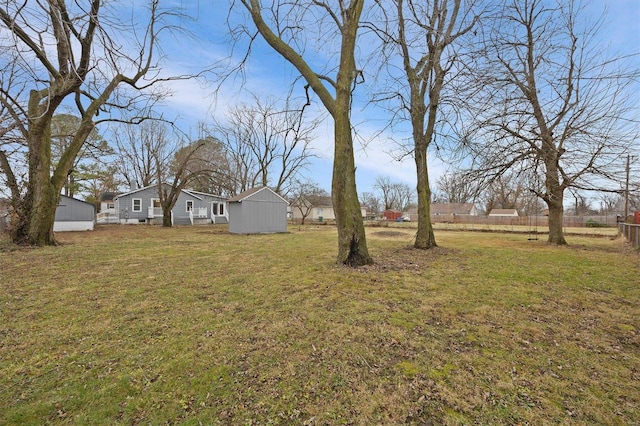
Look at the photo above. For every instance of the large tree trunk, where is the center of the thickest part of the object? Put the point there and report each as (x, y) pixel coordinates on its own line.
(352, 244)
(555, 194)
(425, 238)
(40, 217)
(36, 214)
(166, 218)
(556, 214)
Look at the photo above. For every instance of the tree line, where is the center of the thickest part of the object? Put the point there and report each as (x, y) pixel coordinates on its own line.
(503, 89)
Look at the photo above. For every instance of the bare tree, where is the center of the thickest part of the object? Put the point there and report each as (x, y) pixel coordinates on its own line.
(292, 34)
(175, 171)
(138, 148)
(454, 187)
(394, 195)
(266, 144)
(211, 169)
(553, 105)
(384, 186)
(505, 192)
(371, 202)
(404, 196)
(424, 36)
(73, 54)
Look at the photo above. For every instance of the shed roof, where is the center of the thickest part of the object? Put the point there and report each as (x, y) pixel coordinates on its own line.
(63, 197)
(447, 208)
(250, 192)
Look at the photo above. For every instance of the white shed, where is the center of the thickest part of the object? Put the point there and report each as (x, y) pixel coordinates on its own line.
(74, 215)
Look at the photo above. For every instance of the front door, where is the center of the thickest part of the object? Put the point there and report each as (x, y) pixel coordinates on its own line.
(157, 207)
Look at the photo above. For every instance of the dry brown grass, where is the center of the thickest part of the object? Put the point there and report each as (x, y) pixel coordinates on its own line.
(139, 324)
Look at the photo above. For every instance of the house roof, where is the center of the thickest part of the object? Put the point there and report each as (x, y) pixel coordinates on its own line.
(324, 201)
(250, 192)
(194, 194)
(510, 212)
(317, 201)
(447, 208)
(108, 196)
(124, 194)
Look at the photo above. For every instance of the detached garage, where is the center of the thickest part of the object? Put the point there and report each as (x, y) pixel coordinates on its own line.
(257, 211)
(74, 215)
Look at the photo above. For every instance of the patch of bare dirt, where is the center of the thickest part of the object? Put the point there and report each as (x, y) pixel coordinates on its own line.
(389, 234)
(408, 258)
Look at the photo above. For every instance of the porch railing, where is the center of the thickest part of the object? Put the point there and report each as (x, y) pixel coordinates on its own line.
(154, 212)
(107, 217)
(197, 213)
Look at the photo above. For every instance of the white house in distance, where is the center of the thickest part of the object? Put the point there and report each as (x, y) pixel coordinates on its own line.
(107, 212)
(322, 210)
(503, 213)
(446, 212)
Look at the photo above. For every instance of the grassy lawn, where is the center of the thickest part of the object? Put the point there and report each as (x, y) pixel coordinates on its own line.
(192, 325)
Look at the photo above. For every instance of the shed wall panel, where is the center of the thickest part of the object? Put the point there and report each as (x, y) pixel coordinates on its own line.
(69, 210)
(253, 216)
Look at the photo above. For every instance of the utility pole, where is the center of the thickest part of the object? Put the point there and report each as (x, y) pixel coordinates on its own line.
(626, 191)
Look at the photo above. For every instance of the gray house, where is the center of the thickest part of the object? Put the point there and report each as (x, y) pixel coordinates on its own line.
(143, 206)
(257, 211)
(74, 215)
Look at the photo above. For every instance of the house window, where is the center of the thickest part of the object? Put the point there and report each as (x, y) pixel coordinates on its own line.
(217, 209)
(111, 206)
(189, 205)
(136, 205)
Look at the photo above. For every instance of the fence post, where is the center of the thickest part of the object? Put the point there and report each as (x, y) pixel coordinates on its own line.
(632, 233)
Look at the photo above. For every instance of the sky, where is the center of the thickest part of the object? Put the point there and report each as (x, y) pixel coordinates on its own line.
(267, 75)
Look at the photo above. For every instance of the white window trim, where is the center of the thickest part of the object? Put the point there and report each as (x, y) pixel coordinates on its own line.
(133, 204)
(192, 205)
